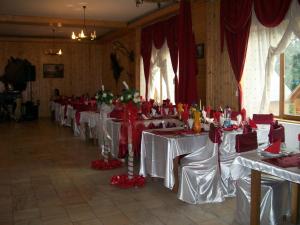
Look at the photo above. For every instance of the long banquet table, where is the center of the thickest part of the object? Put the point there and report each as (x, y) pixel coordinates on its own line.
(159, 151)
(251, 162)
(114, 126)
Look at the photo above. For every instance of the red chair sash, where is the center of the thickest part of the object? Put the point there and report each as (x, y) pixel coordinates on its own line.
(246, 142)
(263, 118)
(214, 134)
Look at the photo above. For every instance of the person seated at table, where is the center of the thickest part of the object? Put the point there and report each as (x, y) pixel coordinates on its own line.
(55, 95)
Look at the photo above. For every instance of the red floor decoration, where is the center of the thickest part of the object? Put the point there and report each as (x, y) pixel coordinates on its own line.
(102, 165)
(123, 181)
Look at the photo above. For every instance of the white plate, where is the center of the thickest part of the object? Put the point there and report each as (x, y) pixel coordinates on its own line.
(269, 154)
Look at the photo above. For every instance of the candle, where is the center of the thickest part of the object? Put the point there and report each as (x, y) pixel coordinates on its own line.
(125, 85)
(102, 87)
(200, 104)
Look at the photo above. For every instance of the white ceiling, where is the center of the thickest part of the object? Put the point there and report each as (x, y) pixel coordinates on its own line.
(110, 10)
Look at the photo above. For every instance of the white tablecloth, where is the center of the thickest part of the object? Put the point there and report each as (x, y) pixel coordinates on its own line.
(158, 152)
(242, 165)
(92, 119)
(113, 129)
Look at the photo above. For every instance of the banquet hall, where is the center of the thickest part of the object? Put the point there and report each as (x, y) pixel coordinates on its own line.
(137, 112)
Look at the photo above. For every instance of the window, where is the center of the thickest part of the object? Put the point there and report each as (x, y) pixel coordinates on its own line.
(271, 76)
(161, 77)
(287, 69)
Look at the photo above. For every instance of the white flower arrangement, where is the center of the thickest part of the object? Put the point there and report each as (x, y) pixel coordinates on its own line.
(130, 95)
(103, 96)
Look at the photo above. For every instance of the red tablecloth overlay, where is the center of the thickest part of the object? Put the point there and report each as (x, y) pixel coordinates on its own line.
(285, 161)
(79, 104)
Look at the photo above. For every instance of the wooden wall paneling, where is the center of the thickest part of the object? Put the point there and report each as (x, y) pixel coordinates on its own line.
(221, 83)
(137, 57)
(199, 28)
(81, 72)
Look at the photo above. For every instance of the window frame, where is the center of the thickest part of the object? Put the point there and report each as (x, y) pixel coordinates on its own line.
(282, 115)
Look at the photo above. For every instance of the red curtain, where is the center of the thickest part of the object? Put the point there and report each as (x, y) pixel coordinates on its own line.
(270, 14)
(235, 19)
(187, 56)
(157, 34)
(171, 29)
(146, 46)
(235, 25)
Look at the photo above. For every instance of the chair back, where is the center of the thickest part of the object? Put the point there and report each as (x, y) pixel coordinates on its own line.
(276, 134)
(246, 142)
(263, 118)
(214, 134)
(234, 115)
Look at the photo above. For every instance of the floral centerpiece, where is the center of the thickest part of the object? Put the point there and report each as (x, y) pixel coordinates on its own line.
(130, 95)
(105, 97)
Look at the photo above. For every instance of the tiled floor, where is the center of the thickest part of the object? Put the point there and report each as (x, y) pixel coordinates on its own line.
(45, 179)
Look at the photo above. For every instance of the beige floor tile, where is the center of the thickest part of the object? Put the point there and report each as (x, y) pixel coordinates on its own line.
(26, 214)
(117, 219)
(58, 221)
(80, 212)
(29, 222)
(53, 212)
(143, 217)
(89, 222)
(45, 179)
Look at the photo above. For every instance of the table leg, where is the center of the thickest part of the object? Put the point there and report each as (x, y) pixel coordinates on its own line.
(295, 202)
(175, 173)
(255, 197)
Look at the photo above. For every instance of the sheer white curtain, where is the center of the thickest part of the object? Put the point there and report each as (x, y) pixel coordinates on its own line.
(263, 46)
(161, 85)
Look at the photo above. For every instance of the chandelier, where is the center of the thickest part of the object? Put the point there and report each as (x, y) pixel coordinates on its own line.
(83, 34)
(53, 51)
(158, 2)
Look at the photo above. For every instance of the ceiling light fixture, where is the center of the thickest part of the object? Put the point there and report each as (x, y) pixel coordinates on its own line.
(83, 34)
(53, 51)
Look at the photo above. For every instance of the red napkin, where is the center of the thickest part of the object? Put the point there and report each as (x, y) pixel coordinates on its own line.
(274, 148)
(243, 113)
(217, 116)
(252, 124)
(167, 132)
(233, 127)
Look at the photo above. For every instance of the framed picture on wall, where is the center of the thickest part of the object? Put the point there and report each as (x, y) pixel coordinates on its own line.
(53, 70)
(200, 51)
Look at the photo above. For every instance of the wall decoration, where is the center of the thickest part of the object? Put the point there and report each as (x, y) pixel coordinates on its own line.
(53, 70)
(200, 51)
(119, 48)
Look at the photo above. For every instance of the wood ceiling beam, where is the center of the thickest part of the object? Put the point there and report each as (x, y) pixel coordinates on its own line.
(172, 9)
(46, 21)
(140, 22)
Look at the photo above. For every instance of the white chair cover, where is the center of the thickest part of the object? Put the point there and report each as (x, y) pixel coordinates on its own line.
(227, 154)
(274, 200)
(200, 180)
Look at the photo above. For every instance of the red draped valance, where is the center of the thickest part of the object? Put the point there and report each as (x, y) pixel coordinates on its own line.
(271, 13)
(157, 34)
(235, 23)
